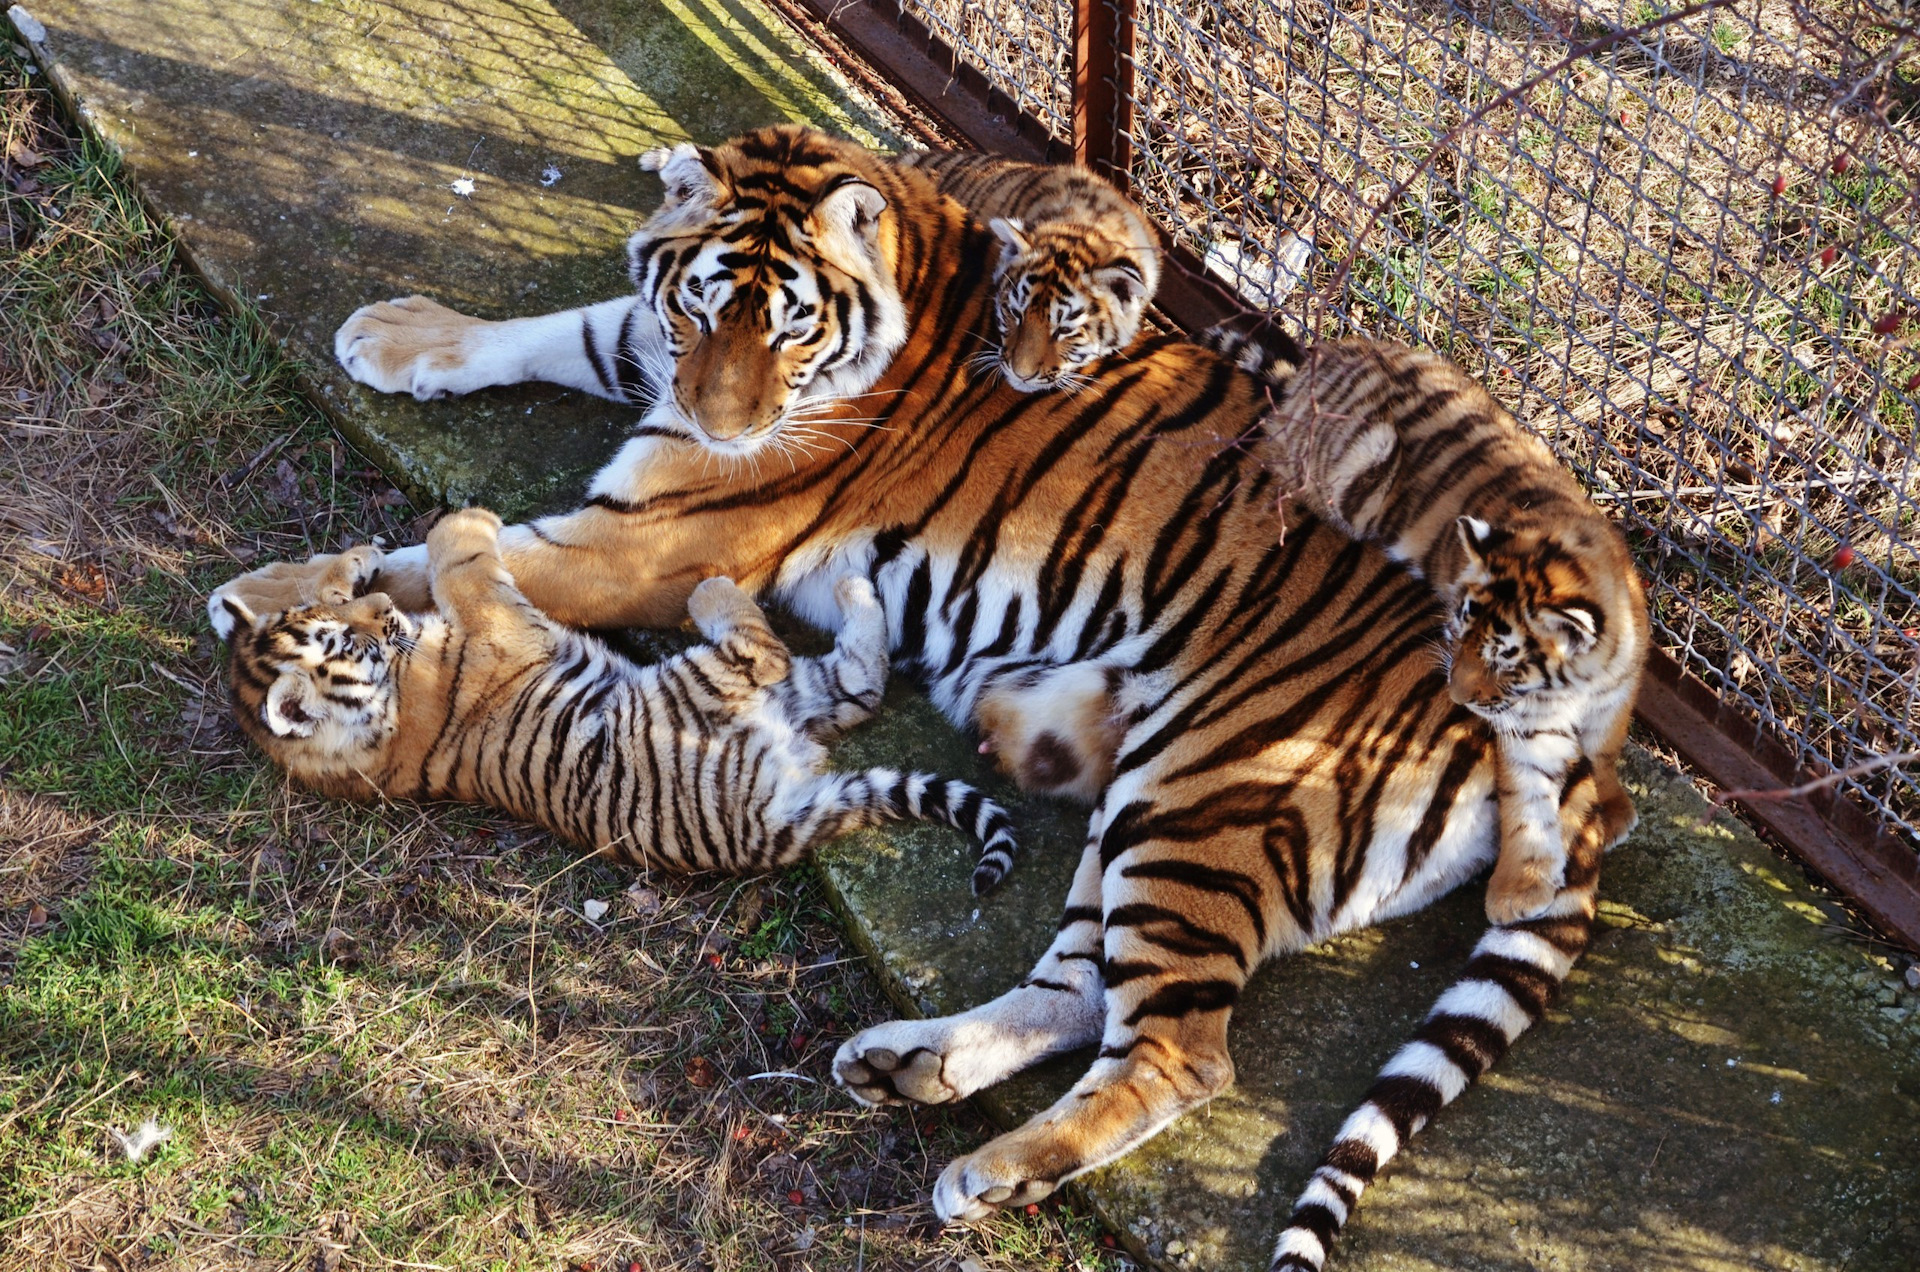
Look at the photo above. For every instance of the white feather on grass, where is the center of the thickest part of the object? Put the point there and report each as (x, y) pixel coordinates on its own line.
(146, 1137)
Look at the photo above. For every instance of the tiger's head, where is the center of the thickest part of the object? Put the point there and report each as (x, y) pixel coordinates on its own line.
(1541, 616)
(318, 687)
(1066, 296)
(771, 267)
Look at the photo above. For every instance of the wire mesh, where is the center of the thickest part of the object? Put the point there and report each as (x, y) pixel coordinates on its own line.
(1687, 262)
(1023, 47)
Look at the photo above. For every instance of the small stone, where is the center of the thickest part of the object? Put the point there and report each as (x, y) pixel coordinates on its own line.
(1886, 996)
(1176, 1247)
(1913, 976)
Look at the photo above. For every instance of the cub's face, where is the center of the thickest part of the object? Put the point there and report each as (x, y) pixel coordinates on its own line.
(1528, 626)
(316, 687)
(769, 269)
(1065, 298)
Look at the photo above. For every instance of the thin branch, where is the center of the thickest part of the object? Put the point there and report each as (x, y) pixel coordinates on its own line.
(1873, 765)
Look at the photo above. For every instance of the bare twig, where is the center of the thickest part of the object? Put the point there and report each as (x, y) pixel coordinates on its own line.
(1874, 765)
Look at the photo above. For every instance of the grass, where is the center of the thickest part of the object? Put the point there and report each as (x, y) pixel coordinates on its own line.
(1615, 263)
(381, 1037)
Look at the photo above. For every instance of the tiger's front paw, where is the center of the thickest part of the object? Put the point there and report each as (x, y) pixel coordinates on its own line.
(284, 585)
(413, 345)
(1523, 887)
(350, 574)
(1014, 1170)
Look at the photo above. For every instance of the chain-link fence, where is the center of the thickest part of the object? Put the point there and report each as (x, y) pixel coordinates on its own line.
(1688, 261)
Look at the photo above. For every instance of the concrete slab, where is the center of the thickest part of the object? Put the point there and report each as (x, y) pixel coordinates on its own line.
(306, 152)
(1725, 1086)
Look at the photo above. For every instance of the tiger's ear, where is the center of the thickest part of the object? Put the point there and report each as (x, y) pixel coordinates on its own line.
(229, 614)
(1012, 233)
(1121, 281)
(845, 224)
(693, 184)
(293, 708)
(1576, 627)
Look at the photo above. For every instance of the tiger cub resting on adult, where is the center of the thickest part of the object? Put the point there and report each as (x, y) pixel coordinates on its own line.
(709, 760)
(1078, 261)
(1547, 630)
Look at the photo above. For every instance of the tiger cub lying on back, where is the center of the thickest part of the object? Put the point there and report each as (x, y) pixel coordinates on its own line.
(1078, 260)
(1547, 624)
(710, 760)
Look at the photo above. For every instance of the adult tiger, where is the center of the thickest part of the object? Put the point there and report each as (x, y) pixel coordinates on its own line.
(1304, 772)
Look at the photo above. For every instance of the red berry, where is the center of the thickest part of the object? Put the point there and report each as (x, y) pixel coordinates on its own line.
(1888, 324)
(1841, 162)
(1623, 119)
(1826, 256)
(1842, 557)
(1780, 183)
(633, 1265)
(742, 1133)
(1033, 1207)
(798, 1042)
(797, 1197)
(620, 1115)
(1913, 381)
(1106, 1239)
(714, 960)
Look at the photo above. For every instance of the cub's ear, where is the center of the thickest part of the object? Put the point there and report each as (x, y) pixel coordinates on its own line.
(1011, 231)
(845, 224)
(293, 709)
(1477, 537)
(1121, 281)
(1577, 626)
(693, 184)
(229, 614)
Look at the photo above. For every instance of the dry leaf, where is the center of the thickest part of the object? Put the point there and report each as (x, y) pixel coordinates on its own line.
(644, 900)
(702, 1073)
(594, 910)
(22, 155)
(36, 916)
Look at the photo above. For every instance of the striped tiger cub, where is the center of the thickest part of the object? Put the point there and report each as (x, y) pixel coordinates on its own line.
(1547, 625)
(1078, 261)
(710, 760)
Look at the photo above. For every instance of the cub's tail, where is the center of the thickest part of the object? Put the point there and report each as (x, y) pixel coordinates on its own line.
(1512, 976)
(1267, 350)
(879, 795)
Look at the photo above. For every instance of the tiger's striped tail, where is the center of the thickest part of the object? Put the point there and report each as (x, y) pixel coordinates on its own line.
(884, 795)
(1509, 981)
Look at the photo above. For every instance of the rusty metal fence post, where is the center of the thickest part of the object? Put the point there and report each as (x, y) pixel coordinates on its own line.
(1103, 32)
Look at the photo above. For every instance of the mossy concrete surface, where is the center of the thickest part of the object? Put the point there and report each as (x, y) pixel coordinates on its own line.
(306, 153)
(1724, 1086)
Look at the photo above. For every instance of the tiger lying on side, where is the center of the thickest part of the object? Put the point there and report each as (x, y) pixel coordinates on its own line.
(1548, 630)
(1299, 770)
(710, 760)
(1078, 261)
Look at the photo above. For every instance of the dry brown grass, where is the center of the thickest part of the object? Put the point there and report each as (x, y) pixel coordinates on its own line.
(1614, 260)
(382, 1037)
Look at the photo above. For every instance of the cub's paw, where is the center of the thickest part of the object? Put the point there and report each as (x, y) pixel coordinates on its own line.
(464, 530)
(413, 345)
(888, 1064)
(1523, 887)
(349, 574)
(1006, 1172)
(272, 589)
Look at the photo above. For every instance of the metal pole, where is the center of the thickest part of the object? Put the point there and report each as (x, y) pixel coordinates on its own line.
(1103, 32)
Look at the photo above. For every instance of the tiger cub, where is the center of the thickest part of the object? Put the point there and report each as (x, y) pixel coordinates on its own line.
(1078, 261)
(1547, 626)
(710, 760)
